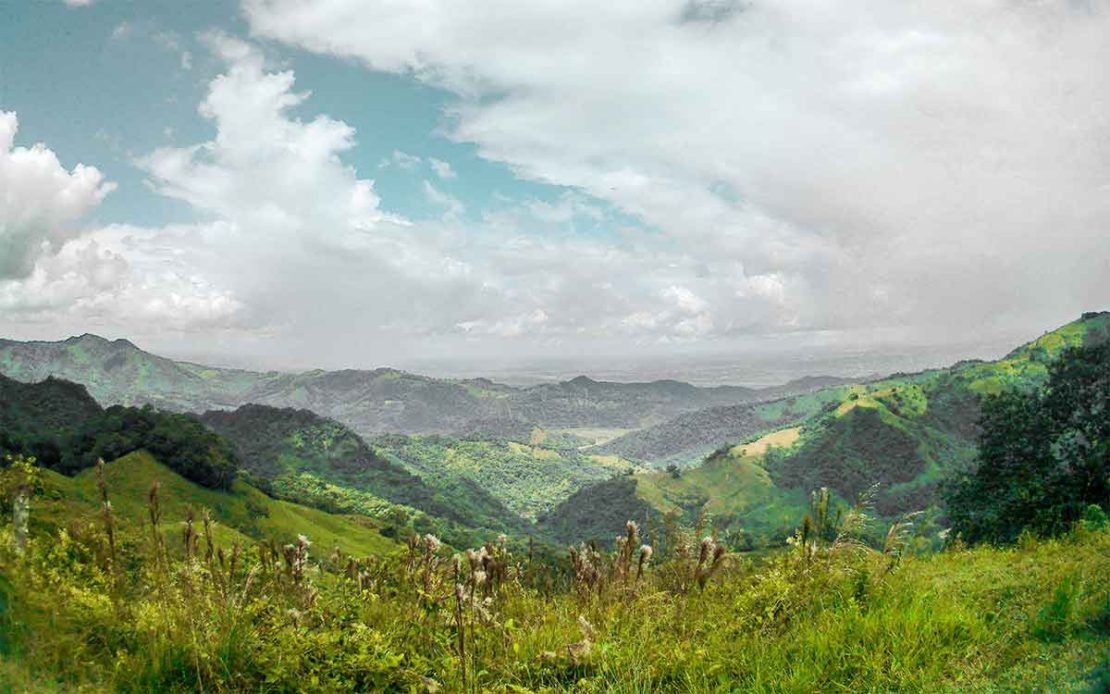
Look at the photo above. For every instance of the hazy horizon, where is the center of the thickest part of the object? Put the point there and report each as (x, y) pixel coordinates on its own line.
(755, 364)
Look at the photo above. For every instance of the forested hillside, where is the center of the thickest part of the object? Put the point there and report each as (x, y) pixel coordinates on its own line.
(57, 422)
(301, 456)
(895, 439)
(166, 560)
(750, 466)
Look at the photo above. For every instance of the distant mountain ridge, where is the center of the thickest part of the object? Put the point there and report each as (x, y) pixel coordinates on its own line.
(905, 433)
(371, 402)
(750, 466)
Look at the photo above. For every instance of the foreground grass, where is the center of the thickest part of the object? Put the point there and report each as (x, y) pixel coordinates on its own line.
(163, 612)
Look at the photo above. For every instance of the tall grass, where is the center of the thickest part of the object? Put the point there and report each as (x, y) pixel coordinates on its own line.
(100, 604)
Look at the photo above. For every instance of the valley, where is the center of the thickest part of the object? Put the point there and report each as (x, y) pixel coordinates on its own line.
(562, 461)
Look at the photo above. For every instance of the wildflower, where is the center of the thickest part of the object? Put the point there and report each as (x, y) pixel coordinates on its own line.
(709, 561)
(633, 531)
(432, 543)
(579, 651)
(645, 556)
(586, 627)
(705, 549)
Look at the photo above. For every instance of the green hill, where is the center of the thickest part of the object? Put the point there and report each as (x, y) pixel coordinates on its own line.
(308, 458)
(904, 433)
(117, 372)
(242, 512)
(732, 486)
(688, 438)
(39, 418)
(53, 404)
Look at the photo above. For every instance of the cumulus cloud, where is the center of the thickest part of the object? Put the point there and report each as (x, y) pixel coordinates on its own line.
(305, 247)
(724, 169)
(265, 169)
(117, 277)
(39, 200)
(56, 271)
(812, 165)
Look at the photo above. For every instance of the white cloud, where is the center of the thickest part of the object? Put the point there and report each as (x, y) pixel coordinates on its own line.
(402, 160)
(119, 277)
(792, 167)
(265, 169)
(812, 165)
(293, 251)
(453, 207)
(39, 200)
(684, 300)
(512, 326)
(441, 168)
(303, 244)
(55, 271)
(78, 3)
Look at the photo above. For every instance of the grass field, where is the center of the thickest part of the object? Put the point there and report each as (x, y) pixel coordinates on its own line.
(828, 616)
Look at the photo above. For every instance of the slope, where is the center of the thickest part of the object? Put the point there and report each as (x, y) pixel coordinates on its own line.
(732, 488)
(305, 457)
(242, 513)
(59, 424)
(688, 438)
(119, 373)
(904, 433)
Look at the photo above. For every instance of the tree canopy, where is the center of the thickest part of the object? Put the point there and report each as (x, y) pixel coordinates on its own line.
(1044, 456)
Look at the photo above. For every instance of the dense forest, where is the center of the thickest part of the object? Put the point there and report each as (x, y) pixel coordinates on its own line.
(57, 423)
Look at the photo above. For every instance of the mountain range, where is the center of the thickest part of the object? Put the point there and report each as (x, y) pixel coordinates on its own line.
(372, 402)
(472, 457)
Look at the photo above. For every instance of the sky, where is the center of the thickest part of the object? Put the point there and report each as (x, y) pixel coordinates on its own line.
(351, 183)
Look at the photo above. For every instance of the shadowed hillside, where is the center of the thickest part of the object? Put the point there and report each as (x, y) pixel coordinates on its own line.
(904, 434)
(308, 458)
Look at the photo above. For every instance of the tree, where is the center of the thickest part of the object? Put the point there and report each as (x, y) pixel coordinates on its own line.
(1044, 456)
